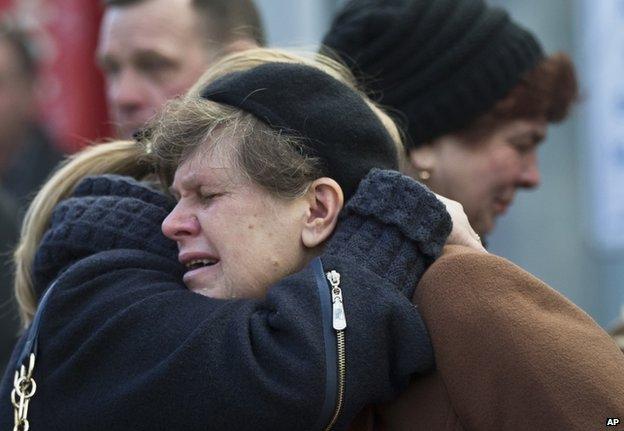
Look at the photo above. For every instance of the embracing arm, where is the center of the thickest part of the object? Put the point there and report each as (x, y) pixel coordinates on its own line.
(125, 341)
(511, 353)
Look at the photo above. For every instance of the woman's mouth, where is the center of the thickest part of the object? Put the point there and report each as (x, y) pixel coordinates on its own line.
(500, 206)
(201, 269)
(200, 263)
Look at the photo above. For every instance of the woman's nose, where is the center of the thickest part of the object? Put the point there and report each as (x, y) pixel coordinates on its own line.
(530, 176)
(180, 224)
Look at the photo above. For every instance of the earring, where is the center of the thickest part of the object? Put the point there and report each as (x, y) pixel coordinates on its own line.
(424, 174)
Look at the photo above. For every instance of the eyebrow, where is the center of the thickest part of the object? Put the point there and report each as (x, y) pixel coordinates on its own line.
(190, 181)
(139, 55)
(186, 183)
(195, 180)
(149, 54)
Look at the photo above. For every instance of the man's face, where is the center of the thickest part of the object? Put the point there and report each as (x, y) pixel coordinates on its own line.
(149, 52)
(484, 176)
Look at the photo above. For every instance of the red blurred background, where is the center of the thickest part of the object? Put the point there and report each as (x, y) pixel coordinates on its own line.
(72, 91)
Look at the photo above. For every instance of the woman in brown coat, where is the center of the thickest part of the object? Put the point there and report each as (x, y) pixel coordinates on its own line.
(511, 354)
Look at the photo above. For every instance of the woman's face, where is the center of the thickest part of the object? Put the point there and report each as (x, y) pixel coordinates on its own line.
(235, 238)
(485, 176)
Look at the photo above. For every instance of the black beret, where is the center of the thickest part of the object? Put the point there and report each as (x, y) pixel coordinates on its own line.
(334, 122)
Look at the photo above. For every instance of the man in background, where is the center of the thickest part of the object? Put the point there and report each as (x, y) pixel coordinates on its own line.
(27, 156)
(153, 50)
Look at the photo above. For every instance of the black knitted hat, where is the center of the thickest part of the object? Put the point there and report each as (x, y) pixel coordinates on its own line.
(438, 63)
(335, 123)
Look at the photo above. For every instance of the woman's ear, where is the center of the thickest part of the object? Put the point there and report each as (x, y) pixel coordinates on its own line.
(325, 200)
(423, 161)
(423, 157)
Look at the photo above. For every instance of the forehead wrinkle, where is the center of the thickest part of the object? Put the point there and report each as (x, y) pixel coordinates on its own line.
(217, 152)
(195, 178)
(201, 170)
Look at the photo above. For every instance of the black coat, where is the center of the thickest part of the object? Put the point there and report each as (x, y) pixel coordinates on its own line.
(9, 320)
(124, 345)
(27, 170)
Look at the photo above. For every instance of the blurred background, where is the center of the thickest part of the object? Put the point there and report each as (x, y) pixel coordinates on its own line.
(569, 232)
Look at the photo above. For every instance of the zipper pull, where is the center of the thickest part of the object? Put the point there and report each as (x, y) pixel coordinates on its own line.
(339, 318)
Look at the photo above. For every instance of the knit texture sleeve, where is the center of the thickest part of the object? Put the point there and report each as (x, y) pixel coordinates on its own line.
(108, 212)
(394, 226)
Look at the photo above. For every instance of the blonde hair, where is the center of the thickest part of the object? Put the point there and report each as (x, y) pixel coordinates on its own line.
(119, 157)
(271, 159)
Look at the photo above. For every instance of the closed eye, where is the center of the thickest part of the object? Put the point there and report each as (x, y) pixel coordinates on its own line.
(207, 197)
(525, 145)
(525, 148)
(108, 66)
(153, 64)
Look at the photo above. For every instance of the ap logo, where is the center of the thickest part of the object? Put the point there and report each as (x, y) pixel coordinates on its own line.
(611, 422)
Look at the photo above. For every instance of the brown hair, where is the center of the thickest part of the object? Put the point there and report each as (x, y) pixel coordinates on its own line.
(227, 20)
(264, 156)
(547, 91)
(272, 160)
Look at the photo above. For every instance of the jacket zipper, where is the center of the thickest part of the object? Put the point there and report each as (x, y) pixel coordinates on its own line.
(339, 323)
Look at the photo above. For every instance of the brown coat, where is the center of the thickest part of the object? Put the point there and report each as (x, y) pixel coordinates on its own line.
(511, 353)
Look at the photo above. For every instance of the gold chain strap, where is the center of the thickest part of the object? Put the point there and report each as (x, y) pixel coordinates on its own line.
(24, 387)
